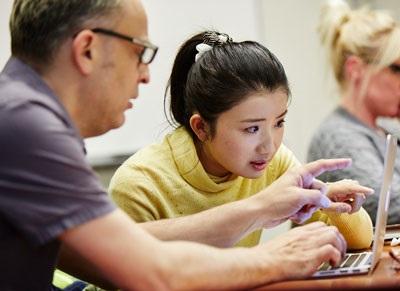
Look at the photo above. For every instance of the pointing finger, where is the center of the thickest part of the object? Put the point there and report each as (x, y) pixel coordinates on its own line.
(311, 170)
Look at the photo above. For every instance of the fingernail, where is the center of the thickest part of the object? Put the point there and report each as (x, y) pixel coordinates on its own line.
(325, 202)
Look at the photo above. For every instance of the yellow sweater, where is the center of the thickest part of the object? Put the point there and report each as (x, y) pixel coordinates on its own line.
(167, 180)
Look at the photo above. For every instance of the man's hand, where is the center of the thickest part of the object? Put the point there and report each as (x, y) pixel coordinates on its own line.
(299, 252)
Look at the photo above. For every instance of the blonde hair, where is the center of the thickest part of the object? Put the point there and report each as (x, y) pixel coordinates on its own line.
(373, 36)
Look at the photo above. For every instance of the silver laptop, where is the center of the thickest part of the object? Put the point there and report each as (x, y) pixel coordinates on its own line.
(364, 262)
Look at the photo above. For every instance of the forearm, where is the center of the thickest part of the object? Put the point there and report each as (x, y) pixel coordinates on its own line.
(296, 254)
(220, 226)
(191, 266)
(75, 265)
(130, 258)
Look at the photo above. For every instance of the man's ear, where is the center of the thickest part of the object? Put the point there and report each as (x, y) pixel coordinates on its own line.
(199, 127)
(83, 51)
(354, 69)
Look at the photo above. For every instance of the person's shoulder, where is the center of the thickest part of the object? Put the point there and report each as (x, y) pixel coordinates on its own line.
(151, 153)
(26, 121)
(21, 86)
(161, 151)
(335, 121)
(339, 126)
(154, 160)
(282, 161)
(13, 94)
(143, 168)
(283, 153)
(151, 158)
(340, 134)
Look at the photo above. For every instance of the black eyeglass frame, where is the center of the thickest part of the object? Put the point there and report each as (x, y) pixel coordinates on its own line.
(148, 46)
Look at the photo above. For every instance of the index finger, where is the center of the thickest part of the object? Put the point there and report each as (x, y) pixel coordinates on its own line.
(311, 170)
(355, 188)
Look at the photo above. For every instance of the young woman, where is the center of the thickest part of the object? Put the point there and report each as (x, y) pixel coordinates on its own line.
(207, 180)
(363, 49)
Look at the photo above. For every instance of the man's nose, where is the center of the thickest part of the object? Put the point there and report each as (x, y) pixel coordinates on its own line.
(144, 74)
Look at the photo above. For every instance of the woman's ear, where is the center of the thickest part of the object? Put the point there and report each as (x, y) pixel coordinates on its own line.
(354, 69)
(199, 127)
(83, 47)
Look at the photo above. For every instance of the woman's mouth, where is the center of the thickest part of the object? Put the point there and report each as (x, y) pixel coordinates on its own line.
(258, 165)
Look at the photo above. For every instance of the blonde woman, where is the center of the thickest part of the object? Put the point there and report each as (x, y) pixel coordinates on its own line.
(364, 52)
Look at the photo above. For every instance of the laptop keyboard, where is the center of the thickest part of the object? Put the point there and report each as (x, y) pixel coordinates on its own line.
(350, 260)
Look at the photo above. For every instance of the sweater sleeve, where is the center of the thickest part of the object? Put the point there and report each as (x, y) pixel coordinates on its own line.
(356, 227)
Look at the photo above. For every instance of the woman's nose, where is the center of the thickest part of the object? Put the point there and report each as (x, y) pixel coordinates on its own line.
(267, 144)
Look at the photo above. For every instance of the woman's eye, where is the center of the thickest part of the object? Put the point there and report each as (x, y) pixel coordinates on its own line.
(252, 129)
(280, 123)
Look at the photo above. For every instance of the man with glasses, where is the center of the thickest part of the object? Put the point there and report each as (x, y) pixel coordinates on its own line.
(75, 66)
(149, 49)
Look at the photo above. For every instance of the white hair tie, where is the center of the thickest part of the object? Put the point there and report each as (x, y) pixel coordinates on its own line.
(201, 49)
(223, 38)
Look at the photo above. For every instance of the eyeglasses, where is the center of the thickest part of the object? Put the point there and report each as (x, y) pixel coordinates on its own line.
(149, 49)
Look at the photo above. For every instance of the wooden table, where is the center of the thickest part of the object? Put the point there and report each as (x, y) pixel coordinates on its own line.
(384, 277)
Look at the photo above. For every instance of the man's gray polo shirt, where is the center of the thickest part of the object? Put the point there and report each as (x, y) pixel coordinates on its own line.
(46, 185)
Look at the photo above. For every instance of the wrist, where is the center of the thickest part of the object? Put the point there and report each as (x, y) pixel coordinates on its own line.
(269, 265)
(263, 216)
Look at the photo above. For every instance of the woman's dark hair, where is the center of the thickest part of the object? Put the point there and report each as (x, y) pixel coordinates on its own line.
(220, 79)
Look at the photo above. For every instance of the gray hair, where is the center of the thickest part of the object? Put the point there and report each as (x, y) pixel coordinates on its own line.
(39, 27)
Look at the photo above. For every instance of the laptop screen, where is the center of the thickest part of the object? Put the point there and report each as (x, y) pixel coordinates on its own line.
(384, 199)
